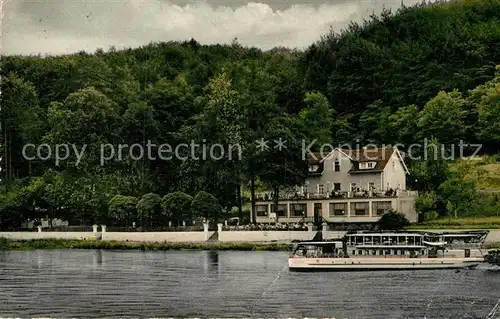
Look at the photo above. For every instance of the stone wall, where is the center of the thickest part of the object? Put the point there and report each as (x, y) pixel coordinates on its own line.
(224, 236)
(265, 236)
(47, 235)
(179, 237)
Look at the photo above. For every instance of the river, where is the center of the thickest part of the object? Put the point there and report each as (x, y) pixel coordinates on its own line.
(97, 284)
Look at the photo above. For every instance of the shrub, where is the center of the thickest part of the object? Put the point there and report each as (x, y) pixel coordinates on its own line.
(122, 208)
(206, 205)
(393, 220)
(176, 206)
(149, 207)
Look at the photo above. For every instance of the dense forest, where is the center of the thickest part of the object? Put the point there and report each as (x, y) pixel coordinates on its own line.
(423, 72)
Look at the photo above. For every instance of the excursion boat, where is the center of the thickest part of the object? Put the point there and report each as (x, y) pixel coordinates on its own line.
(381, 251)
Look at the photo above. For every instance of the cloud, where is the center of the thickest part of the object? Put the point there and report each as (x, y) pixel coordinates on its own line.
(66, 26)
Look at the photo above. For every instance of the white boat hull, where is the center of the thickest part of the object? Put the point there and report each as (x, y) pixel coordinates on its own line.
(371, 264)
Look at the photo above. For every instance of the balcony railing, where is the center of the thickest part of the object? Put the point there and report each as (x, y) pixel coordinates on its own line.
(338, 195)
(261, 227)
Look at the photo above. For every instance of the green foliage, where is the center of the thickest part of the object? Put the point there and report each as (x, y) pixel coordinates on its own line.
(460, 197)
(393, 220)
(374, 124)
(205, 205)
(123, 209)
(149, 208)
(395, 78)
(487, 97)
(426, 206)
(406, 57)
(459, 223)
(316, 118)
(7, 244)
(177, 206)
(493, 257)
(404, 124)
(430, 169)
(442, 118)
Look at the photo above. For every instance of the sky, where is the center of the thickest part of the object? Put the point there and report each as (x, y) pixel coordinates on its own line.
(68, 26)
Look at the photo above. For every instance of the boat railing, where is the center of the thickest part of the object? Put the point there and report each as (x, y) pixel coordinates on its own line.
(385, 244)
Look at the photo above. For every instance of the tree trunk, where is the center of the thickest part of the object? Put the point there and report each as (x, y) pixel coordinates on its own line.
(240, 202)
(276, 200)
(6, 159)
(252, 192)
(11, 174)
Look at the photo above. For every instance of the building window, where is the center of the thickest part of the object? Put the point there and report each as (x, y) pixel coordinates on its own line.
(371, 186)
(338, 209)
(298, 210)
(336, 166)
(282, 210)
(261, 210)
(336, 186)
(360, 209)
(353, 187)
(367, 165)
(321, 189)
(379, 208)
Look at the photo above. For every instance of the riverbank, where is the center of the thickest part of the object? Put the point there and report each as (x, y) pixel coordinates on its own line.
(470, 223)
(33, 244)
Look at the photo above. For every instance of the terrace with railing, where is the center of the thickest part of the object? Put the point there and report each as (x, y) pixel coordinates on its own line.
(293, 196)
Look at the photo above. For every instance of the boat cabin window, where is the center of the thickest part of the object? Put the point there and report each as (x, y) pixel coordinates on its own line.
(328, 249)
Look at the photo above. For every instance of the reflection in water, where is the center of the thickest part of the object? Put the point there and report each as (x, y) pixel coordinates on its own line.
(39, 258)
(97, 259)
(211, 262)
(237, 284)
(214, 261)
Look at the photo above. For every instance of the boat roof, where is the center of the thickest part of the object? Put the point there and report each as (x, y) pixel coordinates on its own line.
(458, 235)
(430, 243)
(385, 234)
(390, 246)
(318, 242)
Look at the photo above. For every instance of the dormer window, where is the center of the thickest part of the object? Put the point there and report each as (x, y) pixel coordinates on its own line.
(313, 168)
(367, 165)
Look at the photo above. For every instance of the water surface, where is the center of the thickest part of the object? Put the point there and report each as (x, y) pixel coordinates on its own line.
(86, 283)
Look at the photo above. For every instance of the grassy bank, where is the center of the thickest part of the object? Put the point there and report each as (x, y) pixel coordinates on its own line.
(7, 244)
(484, 171)
(460, 223)
(493, 246)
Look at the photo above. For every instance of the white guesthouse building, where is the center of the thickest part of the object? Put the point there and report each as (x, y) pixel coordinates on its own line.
(345, 186)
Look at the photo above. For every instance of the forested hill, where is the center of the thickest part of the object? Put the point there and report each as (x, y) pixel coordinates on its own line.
(393, 61)
(380, 82)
